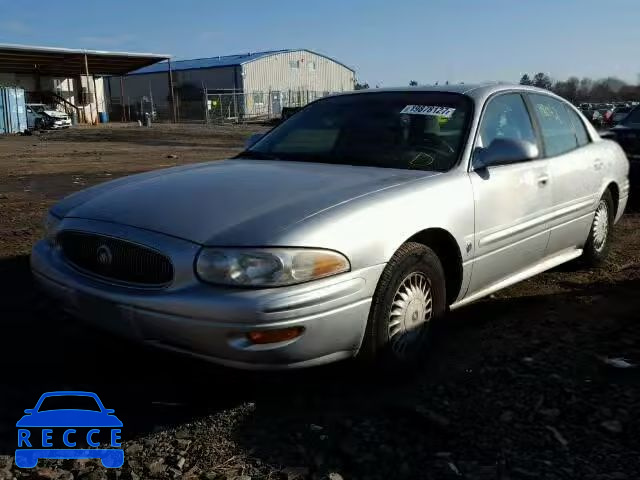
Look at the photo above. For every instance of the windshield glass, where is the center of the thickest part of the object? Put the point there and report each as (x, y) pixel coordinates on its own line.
(407, 130)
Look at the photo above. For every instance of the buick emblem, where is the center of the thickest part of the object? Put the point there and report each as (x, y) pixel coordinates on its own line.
(104, 255)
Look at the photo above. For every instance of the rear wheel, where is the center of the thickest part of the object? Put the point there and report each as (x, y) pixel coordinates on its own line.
(596, 249)
(409, 299)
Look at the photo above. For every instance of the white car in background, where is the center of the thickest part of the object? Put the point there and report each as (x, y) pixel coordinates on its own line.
(41, 117)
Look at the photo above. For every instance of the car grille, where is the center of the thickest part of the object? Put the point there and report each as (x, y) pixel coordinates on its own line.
(115, 260)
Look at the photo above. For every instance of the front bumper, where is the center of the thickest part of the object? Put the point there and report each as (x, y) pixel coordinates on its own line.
(212, 322)
(65, 123)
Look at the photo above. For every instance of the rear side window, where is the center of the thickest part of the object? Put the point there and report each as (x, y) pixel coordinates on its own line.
(578, 125)
(558, 133)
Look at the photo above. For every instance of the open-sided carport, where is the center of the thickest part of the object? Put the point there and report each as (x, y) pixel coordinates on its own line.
(69, 63)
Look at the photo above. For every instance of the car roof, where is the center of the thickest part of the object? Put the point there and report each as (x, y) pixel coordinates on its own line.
(478, 92)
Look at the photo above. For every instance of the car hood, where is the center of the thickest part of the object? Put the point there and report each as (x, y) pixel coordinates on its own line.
(56, 114)
(233, 202)
(68, 418)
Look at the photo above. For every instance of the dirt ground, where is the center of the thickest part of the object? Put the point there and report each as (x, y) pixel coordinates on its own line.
(516, 386)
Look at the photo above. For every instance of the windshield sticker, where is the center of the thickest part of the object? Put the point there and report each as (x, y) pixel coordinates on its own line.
(446, 112)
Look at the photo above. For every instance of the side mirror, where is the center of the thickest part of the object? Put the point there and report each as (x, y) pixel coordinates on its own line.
(503, 151)
(252, 140)
(109, 410)
(29, 411)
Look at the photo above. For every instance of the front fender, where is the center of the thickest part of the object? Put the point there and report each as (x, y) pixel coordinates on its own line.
(370, 230)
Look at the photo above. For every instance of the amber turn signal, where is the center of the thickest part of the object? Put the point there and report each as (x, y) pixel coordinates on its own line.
(274, 336)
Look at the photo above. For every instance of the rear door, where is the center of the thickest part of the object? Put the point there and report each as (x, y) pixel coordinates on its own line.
(575, 166)
(511, 200)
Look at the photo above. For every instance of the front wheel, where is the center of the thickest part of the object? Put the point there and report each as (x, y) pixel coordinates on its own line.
(409, 299)
(596, 249)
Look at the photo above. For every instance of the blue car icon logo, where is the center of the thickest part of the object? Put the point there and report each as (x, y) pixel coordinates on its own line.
(69, 425)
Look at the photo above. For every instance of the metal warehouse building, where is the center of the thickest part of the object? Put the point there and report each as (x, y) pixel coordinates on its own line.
(234, 87)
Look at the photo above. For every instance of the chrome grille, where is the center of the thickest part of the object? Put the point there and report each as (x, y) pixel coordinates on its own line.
(116, 260)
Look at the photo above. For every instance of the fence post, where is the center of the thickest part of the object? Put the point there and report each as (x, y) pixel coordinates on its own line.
(235, 105)
(206, 104)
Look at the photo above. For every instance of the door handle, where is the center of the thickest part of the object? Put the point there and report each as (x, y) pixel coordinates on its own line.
(597, 164)
(543, 180)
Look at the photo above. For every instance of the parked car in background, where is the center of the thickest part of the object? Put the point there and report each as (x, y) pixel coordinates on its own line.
(347, 230)
(619, 113)
(627, 134)
(42, 117)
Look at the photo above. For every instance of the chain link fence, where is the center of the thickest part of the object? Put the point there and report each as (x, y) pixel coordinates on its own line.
(214, 106)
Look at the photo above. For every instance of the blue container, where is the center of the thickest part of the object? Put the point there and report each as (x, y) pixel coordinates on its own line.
(3, 120)
(104, 117)
(13, 110)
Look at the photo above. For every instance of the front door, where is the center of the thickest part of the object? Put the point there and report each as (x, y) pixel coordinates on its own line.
(511, 200)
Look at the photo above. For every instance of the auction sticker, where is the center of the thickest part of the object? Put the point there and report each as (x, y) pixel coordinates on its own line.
(433, 110)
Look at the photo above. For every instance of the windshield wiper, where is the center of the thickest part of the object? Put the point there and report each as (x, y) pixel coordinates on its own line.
(255, 155)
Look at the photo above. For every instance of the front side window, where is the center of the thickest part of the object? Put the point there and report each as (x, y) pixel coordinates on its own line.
(407, 130)
(557, 129)
(506, 116)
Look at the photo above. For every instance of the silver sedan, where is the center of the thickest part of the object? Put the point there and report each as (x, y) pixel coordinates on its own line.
(348, 230)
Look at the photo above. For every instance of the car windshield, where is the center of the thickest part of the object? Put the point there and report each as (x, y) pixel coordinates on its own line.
(633, 118)
(406, 130)
(69, 402)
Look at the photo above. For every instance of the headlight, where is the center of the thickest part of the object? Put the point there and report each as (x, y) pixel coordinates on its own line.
(51, 223)
(267, 267)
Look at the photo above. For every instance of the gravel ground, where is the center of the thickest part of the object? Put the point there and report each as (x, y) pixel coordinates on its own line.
(517, 386)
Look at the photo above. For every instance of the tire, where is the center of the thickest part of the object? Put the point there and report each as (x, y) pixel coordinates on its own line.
(398, 334)
(596, 248)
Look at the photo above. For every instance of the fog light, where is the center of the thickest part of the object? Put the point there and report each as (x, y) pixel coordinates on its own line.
(274, 336)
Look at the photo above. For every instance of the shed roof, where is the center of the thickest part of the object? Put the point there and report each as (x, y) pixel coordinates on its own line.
(221, 61)
(67, 62)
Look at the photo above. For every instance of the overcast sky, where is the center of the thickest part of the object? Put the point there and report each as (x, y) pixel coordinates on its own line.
(387, 42)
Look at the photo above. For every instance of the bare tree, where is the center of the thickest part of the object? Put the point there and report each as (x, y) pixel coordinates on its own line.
(413, 83)
(568, 89)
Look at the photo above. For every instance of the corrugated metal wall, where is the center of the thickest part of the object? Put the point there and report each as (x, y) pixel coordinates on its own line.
(298, 70)
(13, 113)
